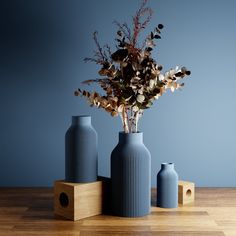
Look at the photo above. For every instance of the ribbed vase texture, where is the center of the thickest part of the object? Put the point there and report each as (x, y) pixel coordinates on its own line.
(131, 176)
(167, 186)
(81, 151)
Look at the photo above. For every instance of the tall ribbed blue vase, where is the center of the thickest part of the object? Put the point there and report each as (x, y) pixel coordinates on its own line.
(167, 186)
(81, 151)
(130, 176)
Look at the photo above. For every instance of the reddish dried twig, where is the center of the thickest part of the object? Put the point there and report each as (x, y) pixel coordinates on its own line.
(137, 24)
(124, 28)
(98, 45)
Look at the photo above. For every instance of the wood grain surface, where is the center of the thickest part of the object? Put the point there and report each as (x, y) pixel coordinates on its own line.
(29, 211)
(80, 200)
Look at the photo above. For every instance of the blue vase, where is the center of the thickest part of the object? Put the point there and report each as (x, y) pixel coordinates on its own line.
(130, 176)
(167, 186)
(81, 151)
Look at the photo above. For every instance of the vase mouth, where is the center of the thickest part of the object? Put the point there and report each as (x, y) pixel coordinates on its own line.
(167, 165)
(133, 133)
(130, 137)
(81, 119)
(81, 116)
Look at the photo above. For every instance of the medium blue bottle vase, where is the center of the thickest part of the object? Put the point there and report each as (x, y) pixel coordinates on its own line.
(81, 151)
(130, 176)
(167, 186)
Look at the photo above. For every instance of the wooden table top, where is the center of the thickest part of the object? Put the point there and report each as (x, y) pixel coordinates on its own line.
(29, 211)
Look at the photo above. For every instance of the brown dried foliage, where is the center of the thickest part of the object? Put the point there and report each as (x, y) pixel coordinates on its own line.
(130, 77)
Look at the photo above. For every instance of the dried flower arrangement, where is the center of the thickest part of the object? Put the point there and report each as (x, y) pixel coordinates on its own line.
(130, 77)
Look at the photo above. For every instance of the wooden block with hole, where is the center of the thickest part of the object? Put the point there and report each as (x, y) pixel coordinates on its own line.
(76, 201)
(186, 192)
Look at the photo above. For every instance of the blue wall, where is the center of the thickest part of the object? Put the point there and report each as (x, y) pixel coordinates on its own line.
(42, 46)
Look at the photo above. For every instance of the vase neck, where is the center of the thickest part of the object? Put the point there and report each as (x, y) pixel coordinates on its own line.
(130, 137)
(81, 120)
(167, 166)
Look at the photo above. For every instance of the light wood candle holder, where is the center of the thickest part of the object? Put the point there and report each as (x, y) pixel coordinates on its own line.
(186, 192)
(76, 201)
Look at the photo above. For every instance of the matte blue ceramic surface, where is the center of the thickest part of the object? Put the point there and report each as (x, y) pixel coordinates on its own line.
(81, 151)
(131, 176)
(167, 186)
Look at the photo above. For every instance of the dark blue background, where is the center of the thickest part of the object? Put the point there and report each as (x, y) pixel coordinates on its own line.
(42, 46)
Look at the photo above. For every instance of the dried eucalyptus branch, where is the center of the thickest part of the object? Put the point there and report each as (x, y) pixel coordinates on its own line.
(131, 79)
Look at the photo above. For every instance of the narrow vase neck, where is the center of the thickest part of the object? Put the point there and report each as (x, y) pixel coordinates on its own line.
(167, 166)
(130, 137)
(81, 120)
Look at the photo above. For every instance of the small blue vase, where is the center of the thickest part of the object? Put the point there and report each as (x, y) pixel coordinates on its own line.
(131, 176)
(167, 186)
(81, 151)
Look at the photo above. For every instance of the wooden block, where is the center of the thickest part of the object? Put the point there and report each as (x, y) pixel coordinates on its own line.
(186, 192)
(76, 201)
